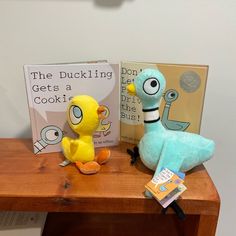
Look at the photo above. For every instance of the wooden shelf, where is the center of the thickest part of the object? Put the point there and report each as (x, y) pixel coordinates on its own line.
(38, 183)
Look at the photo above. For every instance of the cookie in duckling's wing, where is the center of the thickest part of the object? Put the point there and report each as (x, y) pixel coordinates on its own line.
(83, 115)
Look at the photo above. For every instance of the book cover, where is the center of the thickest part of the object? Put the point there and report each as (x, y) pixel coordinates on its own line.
(182, 102)
(49, 89)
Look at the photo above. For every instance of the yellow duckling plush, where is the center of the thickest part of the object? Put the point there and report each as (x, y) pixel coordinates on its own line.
(83, 116)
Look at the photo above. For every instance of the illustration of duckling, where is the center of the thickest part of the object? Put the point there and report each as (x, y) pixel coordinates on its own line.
(83, 115)
(103, 127)
(159, 147)
(170, 96)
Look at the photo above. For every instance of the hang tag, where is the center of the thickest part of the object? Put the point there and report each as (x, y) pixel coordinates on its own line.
(64, 163)
(166, 187)
(173, 196)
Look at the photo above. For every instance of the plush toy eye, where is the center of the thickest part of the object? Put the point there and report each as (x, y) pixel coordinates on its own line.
(75, 115)
(151, 86)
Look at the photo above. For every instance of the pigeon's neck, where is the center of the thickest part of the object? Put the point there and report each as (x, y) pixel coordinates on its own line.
(152, 119)
(166, 111)
(151, 115)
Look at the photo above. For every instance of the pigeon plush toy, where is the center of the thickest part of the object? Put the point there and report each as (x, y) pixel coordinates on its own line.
(161, 148)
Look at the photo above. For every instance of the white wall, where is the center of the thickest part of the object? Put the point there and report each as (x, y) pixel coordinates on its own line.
(176, 31)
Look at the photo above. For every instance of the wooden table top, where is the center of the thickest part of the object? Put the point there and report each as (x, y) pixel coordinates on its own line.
(31, 182)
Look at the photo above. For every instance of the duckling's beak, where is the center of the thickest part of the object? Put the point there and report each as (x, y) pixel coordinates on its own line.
(131, 89)
(100, 111)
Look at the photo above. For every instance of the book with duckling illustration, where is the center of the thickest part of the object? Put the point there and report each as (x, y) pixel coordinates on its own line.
(182, 103)
(51, 87)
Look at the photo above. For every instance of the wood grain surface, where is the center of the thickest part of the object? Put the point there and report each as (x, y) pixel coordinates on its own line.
(37, 183)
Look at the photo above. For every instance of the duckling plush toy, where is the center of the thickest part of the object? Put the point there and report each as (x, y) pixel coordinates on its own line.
(83, 115)
(161, 148)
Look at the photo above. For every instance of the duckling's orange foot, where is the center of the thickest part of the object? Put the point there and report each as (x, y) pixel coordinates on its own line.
(103, 156)
(88, 168)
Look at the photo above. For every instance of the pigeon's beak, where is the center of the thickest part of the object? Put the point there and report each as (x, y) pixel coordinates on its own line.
(131, 89)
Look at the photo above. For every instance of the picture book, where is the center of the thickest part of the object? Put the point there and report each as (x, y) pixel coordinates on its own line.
(50, 88)
(182, 102)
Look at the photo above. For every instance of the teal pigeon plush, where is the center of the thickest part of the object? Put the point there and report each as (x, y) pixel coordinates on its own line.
(159, 147)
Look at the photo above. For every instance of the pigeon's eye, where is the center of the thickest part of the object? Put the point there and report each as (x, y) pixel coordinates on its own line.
(51, 135)
(171, 95)
(151, 86)
(75, 115)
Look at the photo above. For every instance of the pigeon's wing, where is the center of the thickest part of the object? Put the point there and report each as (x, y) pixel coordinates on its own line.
(170, 158)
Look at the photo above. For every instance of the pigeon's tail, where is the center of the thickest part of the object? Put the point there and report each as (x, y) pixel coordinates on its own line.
(209, 149)
(201, 152)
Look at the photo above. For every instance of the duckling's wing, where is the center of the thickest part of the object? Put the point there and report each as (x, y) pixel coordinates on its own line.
(170, 158)
(69, 147)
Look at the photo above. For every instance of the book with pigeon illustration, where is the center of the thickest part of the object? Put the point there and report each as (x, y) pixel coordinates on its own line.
(182, 102)
(49, 90)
